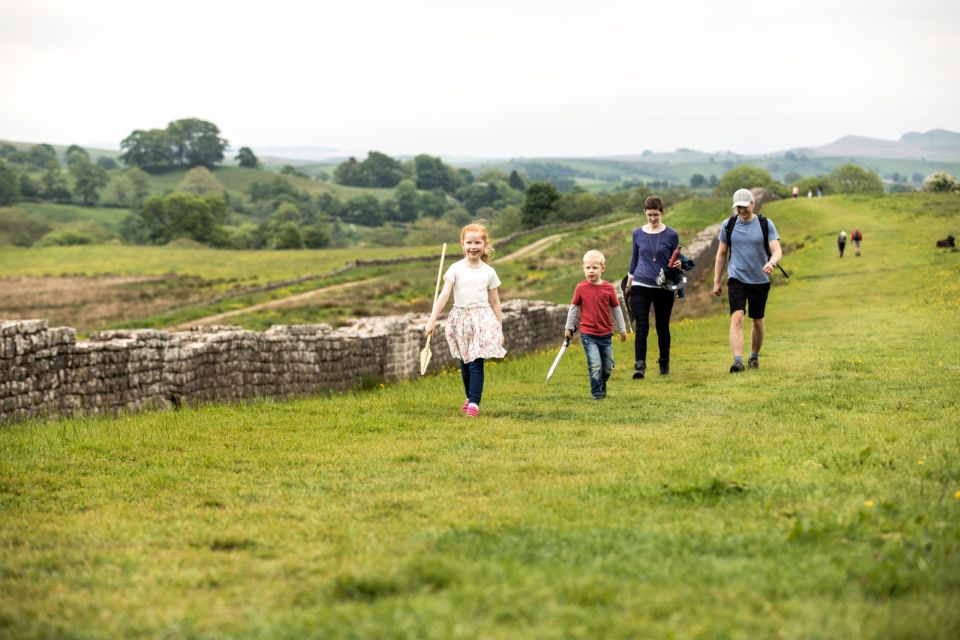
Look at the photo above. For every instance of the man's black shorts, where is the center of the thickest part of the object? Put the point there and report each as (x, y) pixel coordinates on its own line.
(740, 294)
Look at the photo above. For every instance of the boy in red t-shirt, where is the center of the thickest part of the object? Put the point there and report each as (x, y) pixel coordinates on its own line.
(594, 301)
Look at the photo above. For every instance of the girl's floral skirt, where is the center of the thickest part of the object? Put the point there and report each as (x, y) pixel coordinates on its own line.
(473, 332)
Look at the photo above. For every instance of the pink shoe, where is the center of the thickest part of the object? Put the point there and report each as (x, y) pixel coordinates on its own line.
(466, 403)
(472, 411)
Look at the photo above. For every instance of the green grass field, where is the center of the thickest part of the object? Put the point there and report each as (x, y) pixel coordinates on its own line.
(204, 262)
(818, 497)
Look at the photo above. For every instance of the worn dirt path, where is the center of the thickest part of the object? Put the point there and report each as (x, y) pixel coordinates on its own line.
(534, 248)
(271, 304)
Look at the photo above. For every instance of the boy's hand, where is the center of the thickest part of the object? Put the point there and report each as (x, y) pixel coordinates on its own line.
(623, 337)
(567, 334)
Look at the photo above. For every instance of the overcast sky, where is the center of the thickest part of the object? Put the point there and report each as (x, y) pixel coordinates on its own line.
(503, 78)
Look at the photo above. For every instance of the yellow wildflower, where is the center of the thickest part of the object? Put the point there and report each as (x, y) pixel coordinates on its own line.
(868, 504)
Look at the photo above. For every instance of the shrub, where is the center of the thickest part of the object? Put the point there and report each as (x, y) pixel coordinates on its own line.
(65, 238)
(850, 178)
(20, 228)
(941, 182)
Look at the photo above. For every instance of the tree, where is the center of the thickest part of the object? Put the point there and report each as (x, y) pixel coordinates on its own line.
(43, 156)
(380, 170)
(516, 182)
(432, 173)
(247, 158)
(28, 186)
(55, 185)
(196, 142)
(849, 178)
(407, 201)
(349, 173)
(941, 182)
(540, 204)
(201, 181)
(290, 170)
(9, 185)
(139, 181)
(107, 163)
(88, 177)
(434, 203)
(149, 150)
(288, 236)
(792, 178)
(748, 177)
(177, 215)
(698, 181)
(364, 210)
(316, 237)
(75, 152)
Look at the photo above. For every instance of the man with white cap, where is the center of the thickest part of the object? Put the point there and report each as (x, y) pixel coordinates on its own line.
(754, 246)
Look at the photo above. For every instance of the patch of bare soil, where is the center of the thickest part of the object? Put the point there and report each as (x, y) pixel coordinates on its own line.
(91, 303)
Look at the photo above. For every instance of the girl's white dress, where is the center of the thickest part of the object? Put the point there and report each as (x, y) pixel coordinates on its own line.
(472, 328)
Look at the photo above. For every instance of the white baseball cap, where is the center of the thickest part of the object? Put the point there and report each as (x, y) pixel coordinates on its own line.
(742, 198)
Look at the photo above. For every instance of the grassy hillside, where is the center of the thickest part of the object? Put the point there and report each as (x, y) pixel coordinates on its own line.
(816, 497)
(595, 174)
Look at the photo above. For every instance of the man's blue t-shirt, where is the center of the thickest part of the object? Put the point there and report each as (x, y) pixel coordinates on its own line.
(748, 254)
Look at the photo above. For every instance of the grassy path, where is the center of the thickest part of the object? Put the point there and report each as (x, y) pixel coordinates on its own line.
(818, 497)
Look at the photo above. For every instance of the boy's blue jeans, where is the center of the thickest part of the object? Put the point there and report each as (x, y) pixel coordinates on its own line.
(599, 352)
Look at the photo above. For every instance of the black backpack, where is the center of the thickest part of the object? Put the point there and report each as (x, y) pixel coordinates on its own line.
(764, 228)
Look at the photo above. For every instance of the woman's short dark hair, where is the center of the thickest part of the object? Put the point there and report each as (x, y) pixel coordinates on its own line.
(653, 202)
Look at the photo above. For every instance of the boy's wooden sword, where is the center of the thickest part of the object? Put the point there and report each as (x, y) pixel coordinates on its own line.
(553, 367)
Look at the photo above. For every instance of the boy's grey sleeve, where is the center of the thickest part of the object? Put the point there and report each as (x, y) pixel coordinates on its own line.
(573, 317)
(617, 314)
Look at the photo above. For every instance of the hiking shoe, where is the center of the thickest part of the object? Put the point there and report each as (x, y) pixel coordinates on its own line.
(754, 363)
(664, 368)
(639, 369)
(736, 367)
(472, 411)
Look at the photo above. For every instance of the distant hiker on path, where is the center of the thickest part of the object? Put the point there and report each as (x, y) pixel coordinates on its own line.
(653, 246)
(795, 191)
(842, 242)
(857, 237)
(819, 191)
(593, 302)
(754, 246)
(475, 325)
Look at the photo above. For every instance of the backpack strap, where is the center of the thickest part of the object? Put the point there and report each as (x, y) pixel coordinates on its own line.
(729, 230)
(765, 228)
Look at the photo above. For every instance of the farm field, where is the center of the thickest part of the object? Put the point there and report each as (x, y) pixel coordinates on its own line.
(817, 497)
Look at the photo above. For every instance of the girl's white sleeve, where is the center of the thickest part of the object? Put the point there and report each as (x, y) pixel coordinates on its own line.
(451, 275)
(494, 279)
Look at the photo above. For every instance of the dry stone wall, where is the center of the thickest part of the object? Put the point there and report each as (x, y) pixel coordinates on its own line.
(44, 371)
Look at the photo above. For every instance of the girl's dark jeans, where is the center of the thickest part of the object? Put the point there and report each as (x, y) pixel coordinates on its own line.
(472, 373)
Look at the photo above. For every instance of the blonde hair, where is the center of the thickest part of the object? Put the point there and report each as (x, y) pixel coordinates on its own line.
(487, 253)
(593, 254)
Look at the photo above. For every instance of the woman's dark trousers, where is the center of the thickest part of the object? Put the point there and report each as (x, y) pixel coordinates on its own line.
(641, 298)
